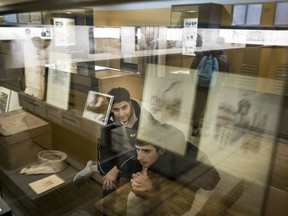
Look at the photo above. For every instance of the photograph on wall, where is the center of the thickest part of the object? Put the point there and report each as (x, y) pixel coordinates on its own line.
(168, 95)
(98, 107)
(239, 132)
(58, 88)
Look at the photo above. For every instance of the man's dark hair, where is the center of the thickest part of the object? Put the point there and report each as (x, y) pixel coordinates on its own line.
(120, 94)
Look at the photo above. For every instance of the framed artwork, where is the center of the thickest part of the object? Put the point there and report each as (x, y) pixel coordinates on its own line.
(239, 132)
(8, 100)
(4, 99)
(58, 88)
(98, 107)
(64, 32)
(168, 95)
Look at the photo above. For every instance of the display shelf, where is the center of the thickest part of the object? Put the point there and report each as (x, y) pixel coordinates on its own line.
(61, 200)
(5, 210)
(69, 119)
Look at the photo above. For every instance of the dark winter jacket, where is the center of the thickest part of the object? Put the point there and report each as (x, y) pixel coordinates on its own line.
(116, 141)
(176, 179)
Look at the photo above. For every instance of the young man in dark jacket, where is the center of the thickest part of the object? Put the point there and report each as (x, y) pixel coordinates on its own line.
(116, 140)
(166, 183)
(202, 91)
(163, 183)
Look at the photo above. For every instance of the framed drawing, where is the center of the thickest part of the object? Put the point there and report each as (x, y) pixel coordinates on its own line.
(4, 99)
(64, 32)
(239, 132)
(98, 107)
(8, 100)
(168, 95)
(58, 88)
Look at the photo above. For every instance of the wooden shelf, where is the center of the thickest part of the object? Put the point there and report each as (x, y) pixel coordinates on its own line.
(70, 119)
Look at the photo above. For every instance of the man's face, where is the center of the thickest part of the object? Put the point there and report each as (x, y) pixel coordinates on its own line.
(147, 155)
(122, 111)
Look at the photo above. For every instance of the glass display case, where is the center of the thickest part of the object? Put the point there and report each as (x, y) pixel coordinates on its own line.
(210, 80)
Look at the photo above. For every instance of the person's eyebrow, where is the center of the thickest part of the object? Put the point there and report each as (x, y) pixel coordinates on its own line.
(146, 150)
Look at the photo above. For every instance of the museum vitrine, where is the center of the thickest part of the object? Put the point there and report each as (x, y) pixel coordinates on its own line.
(58, 65)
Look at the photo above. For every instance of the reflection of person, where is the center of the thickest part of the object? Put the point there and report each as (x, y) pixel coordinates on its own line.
(202, 91)
(243, 111)
(115, 144)
(163, 183)
(147, 187)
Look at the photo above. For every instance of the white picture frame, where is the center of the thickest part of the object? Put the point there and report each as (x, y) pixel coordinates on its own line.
(64, 32)
(168, 95)
(8, 100)
(58, 88)
(98, 107)
(5, 95)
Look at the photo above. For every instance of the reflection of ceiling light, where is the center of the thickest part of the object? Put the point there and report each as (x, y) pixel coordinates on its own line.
(68, 12)
(192, 11)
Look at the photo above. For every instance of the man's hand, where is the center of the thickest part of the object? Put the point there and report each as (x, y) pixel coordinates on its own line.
(109, 180)
(140, 181)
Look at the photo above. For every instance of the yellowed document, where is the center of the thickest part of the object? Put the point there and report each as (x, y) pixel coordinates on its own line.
(45, 184)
